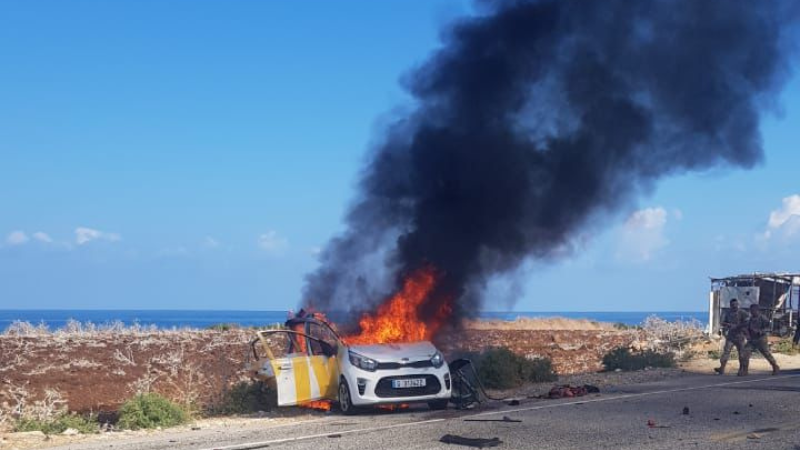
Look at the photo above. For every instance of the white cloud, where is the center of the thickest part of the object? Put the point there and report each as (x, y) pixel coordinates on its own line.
(210, 242)
(85, 235)
(273, 243)
(647, 219)
(42, 237)
(643, 234)
(786, 219)
(17, 237)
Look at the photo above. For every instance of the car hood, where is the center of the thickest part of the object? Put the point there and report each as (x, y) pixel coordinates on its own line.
(412, 351)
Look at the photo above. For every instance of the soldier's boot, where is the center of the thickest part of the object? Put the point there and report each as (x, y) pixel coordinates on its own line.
(774, 364)
(721, 369)
(743, 367)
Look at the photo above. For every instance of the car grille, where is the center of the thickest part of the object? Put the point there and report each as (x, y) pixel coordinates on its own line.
(414, 365)
(385, 389)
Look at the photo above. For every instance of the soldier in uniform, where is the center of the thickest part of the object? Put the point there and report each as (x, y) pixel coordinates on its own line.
(757, 328)
(733, 325)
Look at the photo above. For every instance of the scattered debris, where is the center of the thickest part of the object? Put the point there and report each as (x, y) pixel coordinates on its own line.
(685, 410)
(652, 424)
(568, 391)
(513, 403)
(470, 442)
(334, 435)
(736, 413)
(504, 419)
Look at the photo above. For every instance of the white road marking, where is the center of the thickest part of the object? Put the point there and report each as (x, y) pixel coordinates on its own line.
(254, 445)
(292, 424)
(627, 396)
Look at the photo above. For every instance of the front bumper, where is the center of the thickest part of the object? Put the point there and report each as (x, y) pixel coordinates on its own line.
(372, 388)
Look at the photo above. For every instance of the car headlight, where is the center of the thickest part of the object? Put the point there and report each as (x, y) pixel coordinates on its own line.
(437, 360)
(362, 362)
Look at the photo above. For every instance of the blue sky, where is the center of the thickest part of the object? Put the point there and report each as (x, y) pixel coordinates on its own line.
(197, 155)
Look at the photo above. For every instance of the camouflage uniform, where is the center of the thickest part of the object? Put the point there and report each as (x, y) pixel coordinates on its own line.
(734, 323)
(757, 328)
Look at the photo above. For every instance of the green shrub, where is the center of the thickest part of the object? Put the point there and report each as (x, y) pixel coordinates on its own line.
(687, 355)
(150, 411)
(59, 424)
(245, 398)
(500, 368)
(717, 354)
(622, 358)
(784, 346)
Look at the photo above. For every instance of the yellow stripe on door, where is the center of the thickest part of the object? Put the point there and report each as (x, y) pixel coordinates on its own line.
(320, 366)
(302, 382)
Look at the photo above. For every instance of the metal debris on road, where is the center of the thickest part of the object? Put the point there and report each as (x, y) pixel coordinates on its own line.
(652, 424)
(504, 419)
(470, 442)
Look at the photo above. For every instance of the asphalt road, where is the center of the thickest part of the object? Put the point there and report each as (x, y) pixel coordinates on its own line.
(759, 411)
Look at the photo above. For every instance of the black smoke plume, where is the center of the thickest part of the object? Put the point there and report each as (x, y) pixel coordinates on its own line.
(538, 118)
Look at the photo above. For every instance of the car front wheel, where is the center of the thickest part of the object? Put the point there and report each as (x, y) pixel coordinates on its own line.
(345, 401)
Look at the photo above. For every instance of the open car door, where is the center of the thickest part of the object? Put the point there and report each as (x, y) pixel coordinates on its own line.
(303, 368)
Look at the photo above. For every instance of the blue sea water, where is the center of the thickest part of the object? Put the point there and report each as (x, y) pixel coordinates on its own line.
(203, 319)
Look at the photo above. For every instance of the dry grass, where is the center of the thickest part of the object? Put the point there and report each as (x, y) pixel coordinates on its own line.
(97, 367)
(549, 324)
(664, 336)
(19, 403)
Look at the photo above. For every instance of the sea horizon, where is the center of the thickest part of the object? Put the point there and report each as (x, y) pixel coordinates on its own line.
(194, 318)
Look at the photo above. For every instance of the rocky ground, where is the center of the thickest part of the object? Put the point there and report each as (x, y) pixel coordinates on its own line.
(95, 371)
(572, 351)
(610, 383)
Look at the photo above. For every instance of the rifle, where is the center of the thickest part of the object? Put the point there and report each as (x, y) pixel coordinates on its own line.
(742, 327)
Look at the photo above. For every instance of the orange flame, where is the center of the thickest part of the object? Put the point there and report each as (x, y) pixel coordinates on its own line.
(319, 405)
(393, 407)
(398, 320)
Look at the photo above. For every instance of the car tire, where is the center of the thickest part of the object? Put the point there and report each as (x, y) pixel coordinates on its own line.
(345, 401)
(438, 405)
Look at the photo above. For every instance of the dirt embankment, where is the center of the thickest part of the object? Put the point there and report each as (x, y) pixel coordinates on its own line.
(572, 351)
(97, 371)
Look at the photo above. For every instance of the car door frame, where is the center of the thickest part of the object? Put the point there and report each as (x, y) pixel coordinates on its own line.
(298, 377)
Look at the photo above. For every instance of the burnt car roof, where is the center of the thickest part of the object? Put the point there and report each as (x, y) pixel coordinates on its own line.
(301, 320)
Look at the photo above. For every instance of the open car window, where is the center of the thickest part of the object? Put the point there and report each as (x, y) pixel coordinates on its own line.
(291, 344)
(323, 333)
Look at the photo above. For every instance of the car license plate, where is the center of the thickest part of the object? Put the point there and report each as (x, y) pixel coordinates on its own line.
(408, 383)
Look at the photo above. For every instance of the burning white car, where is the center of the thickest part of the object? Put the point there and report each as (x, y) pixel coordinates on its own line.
(309, 362)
